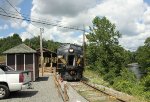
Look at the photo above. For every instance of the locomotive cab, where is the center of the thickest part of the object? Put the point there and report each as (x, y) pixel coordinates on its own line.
(71, 62)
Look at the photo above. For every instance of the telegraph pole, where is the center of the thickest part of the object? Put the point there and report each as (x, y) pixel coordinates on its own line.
(41, 49)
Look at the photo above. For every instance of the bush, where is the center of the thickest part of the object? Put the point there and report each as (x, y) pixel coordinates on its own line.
(110, 76)
(147, 95)
(146, 82)
(123, 85)
(125, 82)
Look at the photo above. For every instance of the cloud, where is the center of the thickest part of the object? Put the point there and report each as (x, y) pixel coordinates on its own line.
(146, 17)
(25, 35)
(4, 27)
(5, 5)
(62, 7)
(1, 37)
(131, 17)
(132, 42)
(11, 34)
(7, 9)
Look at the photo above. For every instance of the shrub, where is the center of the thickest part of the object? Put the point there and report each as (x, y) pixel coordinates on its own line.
(146, 82)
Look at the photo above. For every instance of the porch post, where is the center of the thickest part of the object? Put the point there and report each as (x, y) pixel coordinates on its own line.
(6, 59)
(34, 67)
(15, 62)
(24, 62)
(51, 61)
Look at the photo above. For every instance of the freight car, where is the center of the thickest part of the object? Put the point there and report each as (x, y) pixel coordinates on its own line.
(70, 61)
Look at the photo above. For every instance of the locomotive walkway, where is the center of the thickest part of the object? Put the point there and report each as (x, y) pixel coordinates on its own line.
(44, 91)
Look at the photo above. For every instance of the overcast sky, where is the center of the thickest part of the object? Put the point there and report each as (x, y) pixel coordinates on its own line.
(131, 17)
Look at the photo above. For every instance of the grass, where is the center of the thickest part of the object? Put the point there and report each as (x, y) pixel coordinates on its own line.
(95, 78)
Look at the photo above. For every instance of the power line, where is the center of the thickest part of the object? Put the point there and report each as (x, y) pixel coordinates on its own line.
(12, 6)
(15, 15)
(44, 23)
(26, 15)
(18, 11)
(14, 20)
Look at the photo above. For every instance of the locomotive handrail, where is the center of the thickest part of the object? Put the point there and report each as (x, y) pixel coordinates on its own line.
(63, 60)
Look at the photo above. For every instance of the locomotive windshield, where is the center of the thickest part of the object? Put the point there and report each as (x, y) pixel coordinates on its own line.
(71, 60)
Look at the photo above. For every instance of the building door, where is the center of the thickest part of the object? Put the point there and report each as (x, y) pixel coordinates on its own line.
(20, 62)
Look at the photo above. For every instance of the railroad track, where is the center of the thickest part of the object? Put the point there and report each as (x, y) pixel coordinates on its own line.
(90, 92)
(93, 94)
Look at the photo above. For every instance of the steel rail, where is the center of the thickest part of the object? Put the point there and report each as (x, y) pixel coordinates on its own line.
(84, 82)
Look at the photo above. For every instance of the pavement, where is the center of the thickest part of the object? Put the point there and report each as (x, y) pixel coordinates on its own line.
(44, 91)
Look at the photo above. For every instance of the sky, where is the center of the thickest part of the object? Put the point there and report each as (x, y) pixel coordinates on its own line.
(131, 17)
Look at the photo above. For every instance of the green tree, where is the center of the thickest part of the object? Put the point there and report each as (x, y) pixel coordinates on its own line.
(9, 42)
(143, 55)
(53, 45)
(103, 38)
(143, 58)
(35, 42)
(104, 53)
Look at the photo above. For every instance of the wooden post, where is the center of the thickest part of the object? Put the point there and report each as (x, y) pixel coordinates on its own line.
(41, 50)
(66, 98)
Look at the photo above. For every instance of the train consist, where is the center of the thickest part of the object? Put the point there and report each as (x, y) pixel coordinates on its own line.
(70, 61)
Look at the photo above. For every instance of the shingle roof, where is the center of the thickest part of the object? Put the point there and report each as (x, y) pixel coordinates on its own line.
(22, 48)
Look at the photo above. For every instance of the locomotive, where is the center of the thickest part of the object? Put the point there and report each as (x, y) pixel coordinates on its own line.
(70, 61)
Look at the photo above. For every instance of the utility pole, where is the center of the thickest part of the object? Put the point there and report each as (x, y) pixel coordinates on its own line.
(84, 46)
(41, 49)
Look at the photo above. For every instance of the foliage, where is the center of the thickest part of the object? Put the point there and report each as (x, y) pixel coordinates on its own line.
(146, 82)
(143, 55)
(125, 81)
(35, 43)
(9, 42)
(107, 58)
(103, 51)
(53, 45)
(143, 58)
(122, 83)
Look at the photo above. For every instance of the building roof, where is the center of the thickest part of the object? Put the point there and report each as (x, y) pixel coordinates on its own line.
(22, 48)
(47, 53)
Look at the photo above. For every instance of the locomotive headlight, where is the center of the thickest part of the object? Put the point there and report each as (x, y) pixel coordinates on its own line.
(60, 56)
(81, 56)
(71, 50)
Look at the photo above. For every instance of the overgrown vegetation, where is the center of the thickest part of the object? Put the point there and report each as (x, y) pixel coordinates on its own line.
(143, 58)
(106, 57)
